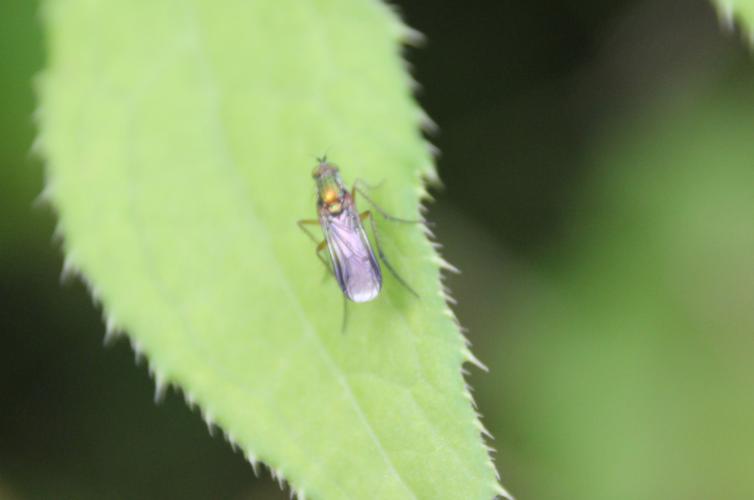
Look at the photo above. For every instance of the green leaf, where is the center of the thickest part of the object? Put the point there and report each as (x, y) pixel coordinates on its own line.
(180, 138)
(740, 10)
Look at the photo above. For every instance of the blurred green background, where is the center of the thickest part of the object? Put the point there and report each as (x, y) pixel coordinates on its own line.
(598, 160)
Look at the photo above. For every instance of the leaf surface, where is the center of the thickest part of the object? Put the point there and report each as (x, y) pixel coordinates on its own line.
(180, 138)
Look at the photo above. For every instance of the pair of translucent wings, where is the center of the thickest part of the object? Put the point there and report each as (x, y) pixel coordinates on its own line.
(353, 262)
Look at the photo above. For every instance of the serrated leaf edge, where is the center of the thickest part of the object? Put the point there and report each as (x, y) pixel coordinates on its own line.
(427, 177)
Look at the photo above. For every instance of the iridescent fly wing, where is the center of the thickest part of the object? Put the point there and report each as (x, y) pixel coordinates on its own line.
(354, 264)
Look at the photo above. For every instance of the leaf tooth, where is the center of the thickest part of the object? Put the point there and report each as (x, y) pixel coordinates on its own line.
(231, 439)
(138, 350)
(483, 429)
(160, 386)
(469, 397)
(464, 331)
(93, 291)
(110, 324)
(277, 475)
(443, 294)
(421, 191)
(190, 399)
(428, 233)
(428, 178)
(37, 116)
(209, 419)
(449, 313)
(435, 152)
(412, 37)
(426, 123)
(405, 34)
(112, 331)
(408, 76)
(466, 340)
(444, 264)
(45, 197)
(37, 148)
(469, 394)
(70, 269)
(110, 336)
(57, 233)
(497, 486)
(473, 359)
(39, 82)
(727, 14)
(502, 491)
(252, 459)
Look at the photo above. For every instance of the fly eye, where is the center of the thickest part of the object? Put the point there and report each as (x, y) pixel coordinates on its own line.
(315, 172)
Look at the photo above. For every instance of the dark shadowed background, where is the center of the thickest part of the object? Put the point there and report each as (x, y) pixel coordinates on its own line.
(598, 162)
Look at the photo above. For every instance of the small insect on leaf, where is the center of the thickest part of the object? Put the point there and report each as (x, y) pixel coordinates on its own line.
(352, 260)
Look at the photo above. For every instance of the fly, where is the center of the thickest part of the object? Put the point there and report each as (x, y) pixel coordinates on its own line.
(352, 261)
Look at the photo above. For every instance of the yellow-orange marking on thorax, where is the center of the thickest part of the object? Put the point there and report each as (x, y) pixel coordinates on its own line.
(330, 196)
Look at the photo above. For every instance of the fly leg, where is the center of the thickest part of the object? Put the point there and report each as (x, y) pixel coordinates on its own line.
(363, 183)
(357, 189)
(302, 223)
(344, 324)
(367, 214)
(321, 245)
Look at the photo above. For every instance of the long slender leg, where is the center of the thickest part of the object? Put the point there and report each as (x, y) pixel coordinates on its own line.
(362, 182)
(367, 214)
(321, 245)
(344, 325)
(380, 210)
(308, 222)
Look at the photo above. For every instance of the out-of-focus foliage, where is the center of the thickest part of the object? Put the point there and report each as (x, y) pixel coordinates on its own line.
(20, 43)
(627, 365)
